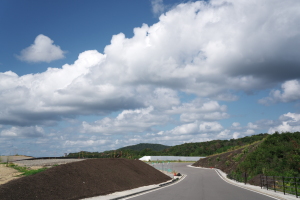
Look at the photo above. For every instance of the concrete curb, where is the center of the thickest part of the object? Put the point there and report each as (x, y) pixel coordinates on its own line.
(253, 188)
(247, 188)
(161, 186)
(137, 191)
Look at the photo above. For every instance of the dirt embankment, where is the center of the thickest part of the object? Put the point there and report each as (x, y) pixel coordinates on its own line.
(7, 174)
(228, 161)
(83, 179)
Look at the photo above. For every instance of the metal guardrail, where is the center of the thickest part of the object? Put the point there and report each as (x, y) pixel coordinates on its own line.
(239, 177)
(290, 185)
(284, 184)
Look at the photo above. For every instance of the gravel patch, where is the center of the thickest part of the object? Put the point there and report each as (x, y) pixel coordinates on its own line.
(45, 162)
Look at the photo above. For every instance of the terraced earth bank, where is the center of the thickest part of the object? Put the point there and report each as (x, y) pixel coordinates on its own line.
(87, 178)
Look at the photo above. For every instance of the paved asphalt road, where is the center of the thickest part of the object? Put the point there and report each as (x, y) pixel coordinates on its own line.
(201, 184)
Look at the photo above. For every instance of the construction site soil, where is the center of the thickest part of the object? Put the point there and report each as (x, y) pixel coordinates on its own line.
(78, 180)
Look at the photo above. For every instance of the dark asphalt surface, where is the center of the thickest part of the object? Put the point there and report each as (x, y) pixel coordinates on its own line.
(201, 184)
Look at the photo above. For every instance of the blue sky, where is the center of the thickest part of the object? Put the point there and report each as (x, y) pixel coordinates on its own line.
(100, 75)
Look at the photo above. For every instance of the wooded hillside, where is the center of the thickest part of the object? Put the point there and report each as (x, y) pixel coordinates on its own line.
(276, 155)
(142, 146)
(186, 149)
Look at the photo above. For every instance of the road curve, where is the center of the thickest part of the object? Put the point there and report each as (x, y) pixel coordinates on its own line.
(200, 184)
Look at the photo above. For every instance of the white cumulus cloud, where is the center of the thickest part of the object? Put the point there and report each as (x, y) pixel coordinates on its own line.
(199, 109)
(212, 50)
(157, 7)
(289, 92)
(23, 132)
(194, 128)
(128, 121)
(208, 49)
(42, 50)
(290, 122)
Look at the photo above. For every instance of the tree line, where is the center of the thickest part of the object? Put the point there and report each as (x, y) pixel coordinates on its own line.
(186, 149)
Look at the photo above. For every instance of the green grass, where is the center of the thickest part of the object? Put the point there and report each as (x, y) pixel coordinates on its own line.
(33, 171)
(238, 157)
(25, 171)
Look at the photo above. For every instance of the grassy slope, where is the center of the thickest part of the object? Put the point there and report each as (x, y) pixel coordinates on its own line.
(211, 147)
(276, 155)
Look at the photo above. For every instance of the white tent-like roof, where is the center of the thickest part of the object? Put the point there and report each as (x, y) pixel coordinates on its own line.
(170, 158)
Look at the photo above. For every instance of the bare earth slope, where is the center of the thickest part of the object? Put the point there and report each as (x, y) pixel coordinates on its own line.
(83, 179)
(227, 161)
(7, 174)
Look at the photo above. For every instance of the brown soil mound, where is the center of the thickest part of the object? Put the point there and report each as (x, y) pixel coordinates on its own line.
(83, 179)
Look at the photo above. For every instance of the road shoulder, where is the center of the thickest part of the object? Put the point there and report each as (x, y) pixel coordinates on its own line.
(269, 193)
(136, 191)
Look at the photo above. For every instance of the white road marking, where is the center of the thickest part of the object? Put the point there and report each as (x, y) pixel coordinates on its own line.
(183, 177)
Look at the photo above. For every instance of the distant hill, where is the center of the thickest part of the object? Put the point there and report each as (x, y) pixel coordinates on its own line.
(186, 149)
(210, 147)
(142, 146)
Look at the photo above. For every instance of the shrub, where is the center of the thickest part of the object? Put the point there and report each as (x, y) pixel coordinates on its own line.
(246, 150)
(227, 163)
(237, 157)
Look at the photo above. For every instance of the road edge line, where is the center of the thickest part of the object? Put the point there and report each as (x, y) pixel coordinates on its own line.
(250, 189)
(152, 190)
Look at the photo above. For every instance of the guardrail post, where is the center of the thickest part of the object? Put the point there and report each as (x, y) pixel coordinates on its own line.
(283, 185)
(260, 182)
(274, 183)
(267, 182)
(296, 187)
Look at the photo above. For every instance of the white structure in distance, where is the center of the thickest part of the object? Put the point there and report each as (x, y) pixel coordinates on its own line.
(169, 158)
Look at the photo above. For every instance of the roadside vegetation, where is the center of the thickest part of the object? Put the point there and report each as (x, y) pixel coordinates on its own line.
(276, 155)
